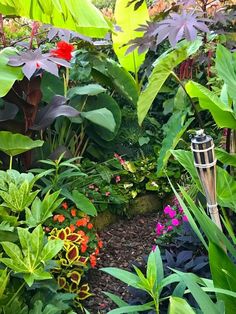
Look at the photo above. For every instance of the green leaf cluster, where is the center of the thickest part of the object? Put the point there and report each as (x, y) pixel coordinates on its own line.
(30, 258)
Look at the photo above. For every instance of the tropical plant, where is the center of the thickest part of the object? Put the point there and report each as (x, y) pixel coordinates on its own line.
(62, 14)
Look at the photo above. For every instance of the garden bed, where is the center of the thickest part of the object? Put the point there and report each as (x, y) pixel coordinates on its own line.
(125, 242)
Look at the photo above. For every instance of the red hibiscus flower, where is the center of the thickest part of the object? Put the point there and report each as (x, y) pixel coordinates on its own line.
(63, 51)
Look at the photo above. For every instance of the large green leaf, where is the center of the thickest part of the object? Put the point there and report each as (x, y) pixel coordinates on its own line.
(175, 128)
(222, 114)
(223, 272)
(179, 306)
(8, 74)
(163, 67)
(82, 202)
(104, 101)
(80, 15)
(15, 144)
(51, 86)
(128, 20)
(225, 157)
(102, 117)
(226, 68)
(90, 90)
(110, 73)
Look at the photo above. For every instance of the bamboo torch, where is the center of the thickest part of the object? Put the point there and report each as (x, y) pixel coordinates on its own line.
(204, 160)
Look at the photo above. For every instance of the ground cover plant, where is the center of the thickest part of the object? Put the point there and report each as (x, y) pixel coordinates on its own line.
(97, 109)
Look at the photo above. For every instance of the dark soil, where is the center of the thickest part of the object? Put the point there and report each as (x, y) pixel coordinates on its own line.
(125, 242)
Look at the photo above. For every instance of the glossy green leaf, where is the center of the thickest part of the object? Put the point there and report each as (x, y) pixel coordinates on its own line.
(17, 198)
(123, 275)
(51, 86)
(128, 20)
(225, 157)
(174, 129)
(110, 73)
(80, 15)
(42, 210)
(222, 114)
(99, 102)
(8, 74)
(204, 301)
(15, 144)
(163, 67)
(31, 258)
(90, 90)
(179, 306)
(82, 202)
(51, 249)
(223, 274)
(226, 69)
(102, 117)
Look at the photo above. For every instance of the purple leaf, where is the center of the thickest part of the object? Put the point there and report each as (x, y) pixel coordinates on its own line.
(34, 60)
(49, 113)
(8, 112)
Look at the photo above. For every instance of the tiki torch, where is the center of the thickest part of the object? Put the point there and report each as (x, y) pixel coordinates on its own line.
(204, 160)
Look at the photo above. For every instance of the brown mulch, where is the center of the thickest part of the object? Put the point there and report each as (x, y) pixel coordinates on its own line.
(125, 242)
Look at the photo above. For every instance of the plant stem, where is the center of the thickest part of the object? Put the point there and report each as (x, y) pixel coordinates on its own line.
(10, 162)
(190, 99)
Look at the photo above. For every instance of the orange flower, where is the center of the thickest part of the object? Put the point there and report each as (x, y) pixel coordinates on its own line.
(93, 260)
(73, 212)
(81, 222)
(61, 218)
(55, 217)
(100, 244)
(96, 251)
(72, 228)
(81, 232)
(90, 226)
(84, 248)
(64, 205)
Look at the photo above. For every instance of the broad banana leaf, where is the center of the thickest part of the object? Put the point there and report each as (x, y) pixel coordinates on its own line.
(128, 20)
(76, 15)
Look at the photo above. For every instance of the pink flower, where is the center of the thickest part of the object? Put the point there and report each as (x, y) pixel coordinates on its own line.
(154, 248)
(159, 228)
(121, 161)
(185, 218)
(117, 179)
(169, 228)
(180, 209)
(91, 186)
(175, 222)
(108, 193)
(169, 211)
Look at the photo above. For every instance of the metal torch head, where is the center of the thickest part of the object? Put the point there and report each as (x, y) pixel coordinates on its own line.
(202, 146)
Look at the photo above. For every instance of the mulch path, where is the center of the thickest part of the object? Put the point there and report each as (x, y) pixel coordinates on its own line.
(125, 242)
